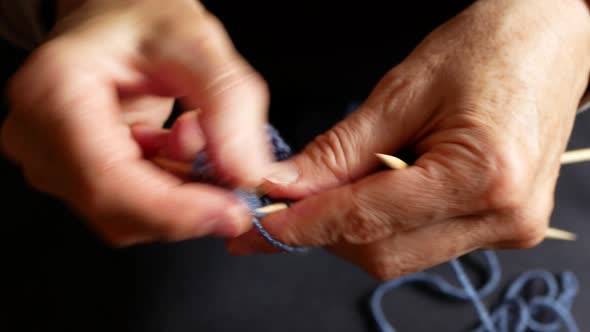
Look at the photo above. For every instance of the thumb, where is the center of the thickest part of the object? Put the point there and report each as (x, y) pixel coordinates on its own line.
(199, 62)
(385, 123)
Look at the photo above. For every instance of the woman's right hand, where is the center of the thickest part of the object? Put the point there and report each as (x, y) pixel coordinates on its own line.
(90, 103)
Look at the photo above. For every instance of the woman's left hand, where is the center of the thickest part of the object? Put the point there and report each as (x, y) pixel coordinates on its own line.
(487, 102)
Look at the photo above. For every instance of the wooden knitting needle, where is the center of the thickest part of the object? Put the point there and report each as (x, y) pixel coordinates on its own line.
(569, 157)
(558, 234)
(272, 208)
(391, 161)
(575, 156)
(396, 163)
(185, 168)
(552, 233)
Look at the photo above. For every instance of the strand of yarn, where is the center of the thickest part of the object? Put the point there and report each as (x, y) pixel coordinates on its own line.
(204, 171)
(254, 202)
(513, 314)
(482, 312)
(502, 319)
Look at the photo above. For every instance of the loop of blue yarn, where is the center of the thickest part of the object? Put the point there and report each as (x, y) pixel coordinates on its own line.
(254, 202)
(514, 314)
(203, 170)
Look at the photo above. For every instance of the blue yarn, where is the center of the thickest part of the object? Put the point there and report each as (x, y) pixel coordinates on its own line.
(204, 171)
(513, 314)
(483, 313)
(254, 202)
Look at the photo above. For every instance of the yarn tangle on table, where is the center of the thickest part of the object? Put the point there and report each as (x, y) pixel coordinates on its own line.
(513, 314)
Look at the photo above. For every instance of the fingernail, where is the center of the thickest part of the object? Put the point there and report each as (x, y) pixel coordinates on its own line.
(284, 174)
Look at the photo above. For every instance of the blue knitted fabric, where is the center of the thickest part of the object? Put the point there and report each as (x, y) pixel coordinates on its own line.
(204, 171)
(516, 313)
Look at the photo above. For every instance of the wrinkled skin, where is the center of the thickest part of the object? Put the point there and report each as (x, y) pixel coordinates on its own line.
(487, 102)
(89, 105)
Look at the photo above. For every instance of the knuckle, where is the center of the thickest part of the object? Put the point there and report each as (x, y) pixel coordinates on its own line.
(382, 271)
(294, 234)
(365, 223)
(505, 182)
(237, 75)
(260, 87)
(379, 265)
(291, 236)
(528, 231)
(331, 151)
(226, 71)
(528, 234)
(528, 243)
(211, 23)
(526, 227)
(385, 265)
(51, 70)
(204, 32)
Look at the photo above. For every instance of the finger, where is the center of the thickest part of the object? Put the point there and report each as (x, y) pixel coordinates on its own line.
(199, 60)
(416, 250)
(127, 198)
(186, 138)
(387, 121)
(147, 110)
(421, 248)
(366, 211)
(250, 243)
(93, 162)
(436, 243)
(392, 201)
(150, 139)
(136, 200)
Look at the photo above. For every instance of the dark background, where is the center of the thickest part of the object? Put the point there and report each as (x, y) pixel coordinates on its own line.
(317, 60)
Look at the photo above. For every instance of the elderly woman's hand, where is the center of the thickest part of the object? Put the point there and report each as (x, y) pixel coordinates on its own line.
(487, 103)
(90, 104)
